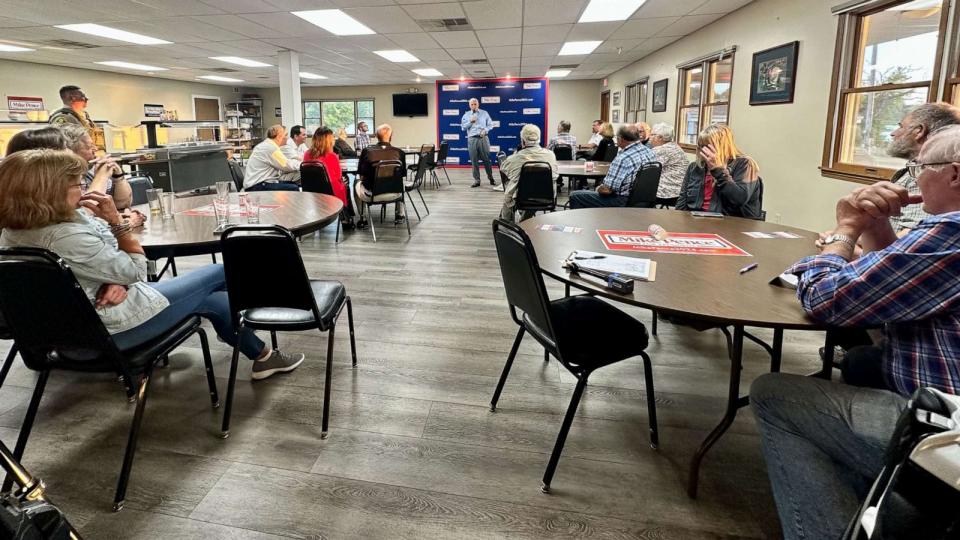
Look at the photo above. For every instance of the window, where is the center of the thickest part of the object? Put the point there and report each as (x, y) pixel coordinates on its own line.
(336, 114)
(704, 95)
(888, 61)
(635, 104)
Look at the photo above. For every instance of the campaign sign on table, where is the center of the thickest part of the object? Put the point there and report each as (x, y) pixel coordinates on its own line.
(685, 243)
(511, 103)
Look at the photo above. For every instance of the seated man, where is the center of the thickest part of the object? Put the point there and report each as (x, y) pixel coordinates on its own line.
(823, 441)
(369, 157)
(293, 150)
(562, 137)
(531, 151)
(268, 169)
(616, 186)
(589, 149)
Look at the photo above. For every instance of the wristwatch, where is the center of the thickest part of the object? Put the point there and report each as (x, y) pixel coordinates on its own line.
(834, 238)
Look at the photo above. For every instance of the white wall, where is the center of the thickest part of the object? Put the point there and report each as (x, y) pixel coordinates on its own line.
(786, 140)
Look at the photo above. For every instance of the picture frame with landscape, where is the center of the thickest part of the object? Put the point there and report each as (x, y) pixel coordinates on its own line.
(659, 96)
(773, 74)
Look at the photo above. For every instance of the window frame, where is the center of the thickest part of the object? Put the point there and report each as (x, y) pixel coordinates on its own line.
(844, 82)
(705, 64)
(642, 89)
(356, 111)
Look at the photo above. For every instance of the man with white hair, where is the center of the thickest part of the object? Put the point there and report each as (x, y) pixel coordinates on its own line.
(477, 123)
(267, 168)
(530, 151)
(674, 161)
(370, 156)
(824, 441)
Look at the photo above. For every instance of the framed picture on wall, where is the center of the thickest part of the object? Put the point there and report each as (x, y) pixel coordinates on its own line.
(616, 99)
(660, 96)
(773, 74)
(616, 116)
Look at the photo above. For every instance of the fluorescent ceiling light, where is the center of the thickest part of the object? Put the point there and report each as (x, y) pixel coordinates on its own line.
(334, 21)
(239, 61)
(130, 65)
(13, 48)
(398, 55)
(113, 33)
(308, 75)
(557, 73)
(219, 78)
(428, 72)
(579, 47)
(610, 10)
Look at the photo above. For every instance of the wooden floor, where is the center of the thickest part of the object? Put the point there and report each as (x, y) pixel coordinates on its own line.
(414, 451)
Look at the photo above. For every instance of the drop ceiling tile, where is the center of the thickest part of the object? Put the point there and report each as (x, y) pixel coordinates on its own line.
(165, 31)
(449, 10)
(490, 14)
(595, 31)
(301, 5)
(666, 8)
(654, 44)
(299, 45)
(541, 49)
(468, 53)
(687, 25)
(430, 54)
(624, 45)
(287, 25)
(719, 6)
(384, 20)
(6, 22)
(413, 40)
(544, 12)
(643, 28)
(362, 3)
(500, 37)
(456, 40)
(546, 34)
(509, 51)
(237, 25)
(240, 6)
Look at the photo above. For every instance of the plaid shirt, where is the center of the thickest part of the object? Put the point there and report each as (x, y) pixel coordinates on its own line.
(624, 167)
(912, 214)
(911, 288)
(362, 141)
(563, 138)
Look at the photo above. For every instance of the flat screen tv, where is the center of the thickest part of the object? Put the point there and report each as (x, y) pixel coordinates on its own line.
(410, 104)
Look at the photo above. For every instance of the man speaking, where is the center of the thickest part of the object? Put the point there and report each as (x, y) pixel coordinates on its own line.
(477, 124)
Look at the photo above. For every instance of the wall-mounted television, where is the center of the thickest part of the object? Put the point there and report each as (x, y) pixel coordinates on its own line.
(410, 104)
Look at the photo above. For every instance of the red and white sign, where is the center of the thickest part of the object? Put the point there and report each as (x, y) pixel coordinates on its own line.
(22, 103)
(684, 243)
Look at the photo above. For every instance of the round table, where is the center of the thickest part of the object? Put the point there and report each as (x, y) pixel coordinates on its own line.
(185, 235)
(702, 287)
(578, 169)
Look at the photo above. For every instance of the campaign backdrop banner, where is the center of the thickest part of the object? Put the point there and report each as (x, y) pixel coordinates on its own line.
(511, 103)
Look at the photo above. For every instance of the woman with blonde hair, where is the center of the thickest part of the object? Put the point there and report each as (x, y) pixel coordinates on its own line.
(722, 179)
(606, 142)
(40, 206)
(342, 147)
(321, 150)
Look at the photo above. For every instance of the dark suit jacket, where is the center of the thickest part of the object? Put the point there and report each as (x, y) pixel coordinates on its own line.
(372, 155)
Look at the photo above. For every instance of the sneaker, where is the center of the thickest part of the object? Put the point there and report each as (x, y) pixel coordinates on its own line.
(498, 187)
(838, 353)
(475, 184)
(362, 225)
(493, 182)
(277, 362)
(398, 219)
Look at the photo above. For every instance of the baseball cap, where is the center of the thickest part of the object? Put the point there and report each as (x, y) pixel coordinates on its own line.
(530, 134)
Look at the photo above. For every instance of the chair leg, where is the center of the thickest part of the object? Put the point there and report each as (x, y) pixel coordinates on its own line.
(447, 175)
(546, 355)
(8, 363)
(506, 369)
(173, 266)
(562, 436)
(651, 400)
(415, 209)
(208, 365)
(326, 383)
(118, 499)
(423, 201)
(231, 383)
(337, 239)
(373, 230)
(653, 326)
(405, 220)
(353, 342)
(214, 257)
(273, 340)
(27, 425)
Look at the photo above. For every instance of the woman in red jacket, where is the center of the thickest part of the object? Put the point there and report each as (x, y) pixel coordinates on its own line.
(322, 150)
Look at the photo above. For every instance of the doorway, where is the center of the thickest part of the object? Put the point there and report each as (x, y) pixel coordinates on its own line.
(605, 106)
(207, 108)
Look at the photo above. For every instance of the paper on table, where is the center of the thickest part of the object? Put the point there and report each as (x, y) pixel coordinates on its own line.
(642, 269)
(776, 234)
(789, 281)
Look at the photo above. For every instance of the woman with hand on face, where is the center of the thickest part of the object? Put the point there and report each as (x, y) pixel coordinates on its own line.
(40, 206)
(722, 179)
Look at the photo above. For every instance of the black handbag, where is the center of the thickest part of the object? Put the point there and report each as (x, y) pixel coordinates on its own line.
(25, 513)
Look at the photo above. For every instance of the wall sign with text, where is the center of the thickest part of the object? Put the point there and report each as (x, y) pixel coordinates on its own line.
(152, 110)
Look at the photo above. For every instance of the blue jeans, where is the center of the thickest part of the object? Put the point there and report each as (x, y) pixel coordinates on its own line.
(274, 186)
(823, 443)
(586, 198)
(200, 292)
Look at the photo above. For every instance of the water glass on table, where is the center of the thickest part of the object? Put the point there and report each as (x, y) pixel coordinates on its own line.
(169, 200)
(223, 190)
(221, 209)
(154, 200)
(252, 208)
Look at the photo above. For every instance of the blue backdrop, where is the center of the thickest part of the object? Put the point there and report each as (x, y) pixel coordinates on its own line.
(510, 102)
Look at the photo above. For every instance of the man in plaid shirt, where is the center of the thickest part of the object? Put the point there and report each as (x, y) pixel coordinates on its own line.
(563, 136)
(616, 186)
(363, 140)
(824, 441)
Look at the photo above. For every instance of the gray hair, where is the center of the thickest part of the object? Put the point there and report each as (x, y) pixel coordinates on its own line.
(275, 131)
(473, 99)
(384, 132)
(564, 126)
(629, 133)
(664, 131)
(942, 147)
(935, 116)
(74, 135)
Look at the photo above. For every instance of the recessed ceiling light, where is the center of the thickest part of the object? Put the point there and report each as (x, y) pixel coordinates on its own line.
(610, 10)
(557, 73)
(308, 75)
(398, 55)
(113, 33)
(13, 48)
(428, 72)
(239, 61)
(334, 21)
(578, 47)
(130, 65)
(219, 78)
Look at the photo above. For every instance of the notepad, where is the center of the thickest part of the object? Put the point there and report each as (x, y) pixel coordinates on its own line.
(632, 267)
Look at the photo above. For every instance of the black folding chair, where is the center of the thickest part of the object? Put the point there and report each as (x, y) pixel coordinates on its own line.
(562, 327)
(388, 187)
(441, 162)
(643, 192)
(139, 184)
(314, 179)
(606, 152)
(563, 152)
(423, 149)
(288, 301)
(535, 188)
(56, 327)
(11, 354)
(423, 165)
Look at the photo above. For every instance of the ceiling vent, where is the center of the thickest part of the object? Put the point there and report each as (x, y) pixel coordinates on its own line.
(221, 70)
(565, 66)
(445, 25)
(68, 44)
(473, 62)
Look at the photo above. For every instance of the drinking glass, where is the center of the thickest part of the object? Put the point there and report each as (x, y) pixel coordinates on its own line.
(223, 190)
(169, 199)
(253, 209)
(221, 209)
(154, 197)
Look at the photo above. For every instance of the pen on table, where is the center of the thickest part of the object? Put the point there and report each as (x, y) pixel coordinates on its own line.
(748, 268)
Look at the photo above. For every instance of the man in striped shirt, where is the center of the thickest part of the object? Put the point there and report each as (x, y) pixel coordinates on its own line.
(616, 186)
(824, 441)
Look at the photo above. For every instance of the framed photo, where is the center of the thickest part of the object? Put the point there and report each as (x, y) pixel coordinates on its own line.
(615, 116)
(773, 74)
(616, 99)
(660, 96)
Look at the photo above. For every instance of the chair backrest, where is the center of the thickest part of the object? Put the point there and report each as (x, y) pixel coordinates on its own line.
(608, 151)
(314, 178)
(49, 316)
(535, 185)
(763, 213)
(388, 176)
(263, 268)
(424, 162)
(140, 182)
(643, 193)
(563, 152)
(443, 152)
(522, 280)
(236, 171)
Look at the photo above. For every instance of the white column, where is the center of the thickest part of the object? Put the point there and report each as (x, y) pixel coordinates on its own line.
(290, 103)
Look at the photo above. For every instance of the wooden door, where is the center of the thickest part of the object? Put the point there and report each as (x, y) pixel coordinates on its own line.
(605, 106)
(207, 109)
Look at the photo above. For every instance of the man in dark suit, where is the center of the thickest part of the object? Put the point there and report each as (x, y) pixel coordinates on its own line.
(369, 158)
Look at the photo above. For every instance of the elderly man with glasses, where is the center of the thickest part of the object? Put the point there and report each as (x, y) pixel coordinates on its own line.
(824, 441)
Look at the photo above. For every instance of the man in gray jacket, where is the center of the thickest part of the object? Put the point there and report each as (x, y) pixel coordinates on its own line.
(531, 151)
